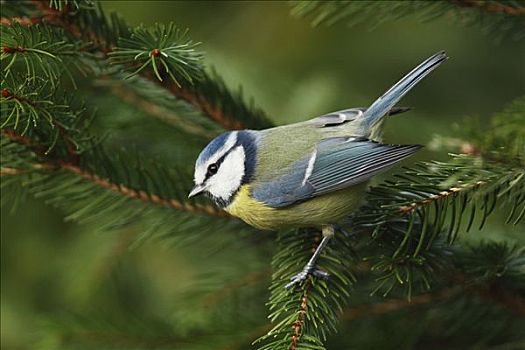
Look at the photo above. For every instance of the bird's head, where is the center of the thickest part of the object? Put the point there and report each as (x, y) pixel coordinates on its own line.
(224, 165)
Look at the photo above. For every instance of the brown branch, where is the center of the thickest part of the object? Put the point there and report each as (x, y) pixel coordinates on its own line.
(161, 113)
(488, 6)
(48, 15)
(143, 195)
(118, 188)
(251, 278)
(62, 19)
(73, 155)
(512, 302)
(105, 183)
(492, 291)
(70, 146)
(398, 304)
(12, 171)
(188, 94)
(194, 98)
(25, 21)
(502, 297)
(256, 333)
(406, 209)
(7, 171)
(298, 324)
(13, 136)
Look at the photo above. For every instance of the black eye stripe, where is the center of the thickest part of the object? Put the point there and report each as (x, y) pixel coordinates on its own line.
(217, 164)
(212, 170)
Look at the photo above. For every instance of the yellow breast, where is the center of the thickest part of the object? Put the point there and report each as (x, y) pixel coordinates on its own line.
(327, 209)
(249, 210)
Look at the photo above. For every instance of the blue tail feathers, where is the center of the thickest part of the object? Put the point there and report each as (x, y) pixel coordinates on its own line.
(382, 105)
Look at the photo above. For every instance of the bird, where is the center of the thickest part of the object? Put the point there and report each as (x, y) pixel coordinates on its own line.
(312, 173)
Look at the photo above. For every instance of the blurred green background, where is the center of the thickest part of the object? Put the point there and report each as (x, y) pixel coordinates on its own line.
(56, 274)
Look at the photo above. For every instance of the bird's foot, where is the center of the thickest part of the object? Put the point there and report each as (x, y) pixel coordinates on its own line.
(309, 269)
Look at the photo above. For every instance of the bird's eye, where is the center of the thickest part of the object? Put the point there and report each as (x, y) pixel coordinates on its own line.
(212, 169)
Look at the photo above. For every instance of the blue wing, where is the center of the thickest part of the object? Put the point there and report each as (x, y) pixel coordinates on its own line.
(335, 164)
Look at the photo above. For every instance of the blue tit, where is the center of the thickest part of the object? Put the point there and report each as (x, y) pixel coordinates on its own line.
(308, 174)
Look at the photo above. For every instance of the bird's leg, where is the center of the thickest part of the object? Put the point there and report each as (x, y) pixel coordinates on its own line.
(309, 268)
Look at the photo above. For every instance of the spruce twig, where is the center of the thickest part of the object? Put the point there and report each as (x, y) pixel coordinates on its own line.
(211, 95)
(491, 7)
(126, 191)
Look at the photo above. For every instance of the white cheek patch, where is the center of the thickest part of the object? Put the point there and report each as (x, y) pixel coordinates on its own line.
(200, 171)
(229, 177)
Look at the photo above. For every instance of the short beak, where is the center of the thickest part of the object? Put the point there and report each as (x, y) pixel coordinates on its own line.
(197, 189)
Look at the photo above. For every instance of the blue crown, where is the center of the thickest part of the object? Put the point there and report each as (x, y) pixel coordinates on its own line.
(213, 147)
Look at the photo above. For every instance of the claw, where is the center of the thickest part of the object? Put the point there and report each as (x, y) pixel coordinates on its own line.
(303, 275)
(310, 269)
(321, 274)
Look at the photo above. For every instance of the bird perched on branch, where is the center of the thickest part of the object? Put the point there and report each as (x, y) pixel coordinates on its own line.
(312, 173)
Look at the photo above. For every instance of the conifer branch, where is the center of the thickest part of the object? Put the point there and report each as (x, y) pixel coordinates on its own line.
(298, 324)
(392, 305)
(356, 313)
(511, 301)
(501, 18)
(58, 124)
(104, 182)
(41, 50)
(25, 21)
(251, 278)
(441, 196)
(197, 100)
(64, 19)
(5, 171)
(491, 6)
(154, 108)
(143, 195)
(164, 49)
(208, 93)
(424, 191)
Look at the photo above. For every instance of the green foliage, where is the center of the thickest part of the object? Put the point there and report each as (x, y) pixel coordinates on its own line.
(164, 49)
(40, 50)
(440, 194)
(111, 36)
(47, 116)
(235, 112)
(411, 215)
(503, 140)
(496, 264)
(502, 18)
(157, 102)
(74, 4)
